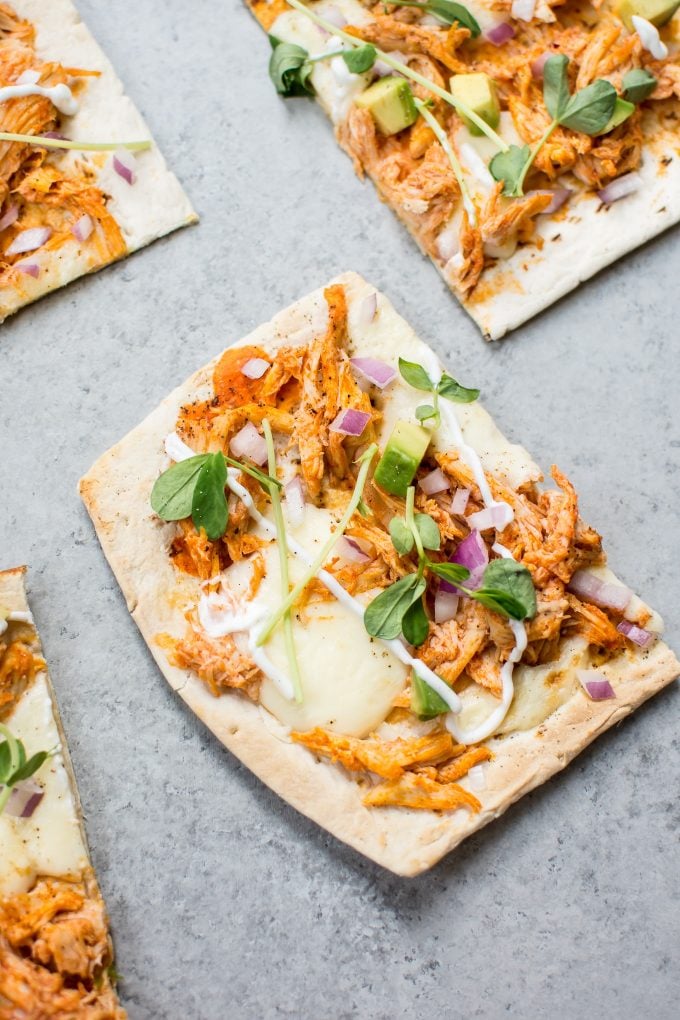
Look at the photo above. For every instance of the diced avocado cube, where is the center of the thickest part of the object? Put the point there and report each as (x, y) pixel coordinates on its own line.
(390, 101)
(622, 111)
(478, 92)
(425, 702)
(404, 451)
(656, 11)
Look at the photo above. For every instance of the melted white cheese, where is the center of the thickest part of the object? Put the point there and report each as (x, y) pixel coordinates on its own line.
(50, 841)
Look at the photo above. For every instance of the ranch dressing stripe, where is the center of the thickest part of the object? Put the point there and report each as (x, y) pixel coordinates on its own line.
(471, 458)
(60, 95)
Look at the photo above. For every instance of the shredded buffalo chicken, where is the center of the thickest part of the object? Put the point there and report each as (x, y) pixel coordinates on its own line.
(411, 170)
(301, 393)
(19, 664)
(55, 954)
(35, 181)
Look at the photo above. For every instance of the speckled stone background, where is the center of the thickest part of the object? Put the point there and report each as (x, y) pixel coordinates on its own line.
(224, 901)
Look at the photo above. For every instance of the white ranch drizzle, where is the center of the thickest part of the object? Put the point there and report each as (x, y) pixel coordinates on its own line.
(471, 458)
(179, 450)
(60, 95)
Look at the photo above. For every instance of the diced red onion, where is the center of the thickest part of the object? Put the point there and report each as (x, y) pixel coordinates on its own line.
(445, 605)
(28, 269)
(500, 34)
(29, 240)
(83, 227)
(255, 368)
(477, 776)
(473, 554)
(638, 635)
(335, 16)
(381, 69)
(435, 481)
(460, 501)
(602, 593)
(350, 549)
(620, 188)
(377, 372)
(595, 684)
(538, 64)
(10, 216)
(24, 799)
(125, 165)
(295, 501)
(249, 443)
(523, 10)
(558, 197)
(350, 422)
(367, 310)
(490, 517)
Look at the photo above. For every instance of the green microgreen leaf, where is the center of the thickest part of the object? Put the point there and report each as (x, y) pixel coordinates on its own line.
(401, 536)
(638, 85)
(445, 10)
(5, 762)
(384, 615)
(426, 413)
(360, 59)
(452, 390)
(556, 85)
(289, 69)
(415, 625)
(425, 702)
(590, 109)
(510, 168)
(173, 491)
(209, 508)
(454, 573)
(428, 531)
(416, 376)
(28, 768)
(507, 588)
(265, 480)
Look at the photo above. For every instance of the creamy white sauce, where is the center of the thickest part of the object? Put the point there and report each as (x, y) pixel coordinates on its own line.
(16, 616)
(648, 34)
(50, 841)
(60, 95)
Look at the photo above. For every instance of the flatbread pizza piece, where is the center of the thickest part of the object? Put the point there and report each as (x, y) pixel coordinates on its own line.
(56, 956)
(510, 231)
(400, 738)
(67, 212)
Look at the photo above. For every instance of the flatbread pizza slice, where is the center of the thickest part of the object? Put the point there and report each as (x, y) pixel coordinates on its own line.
(81, 182)
(525, 146)
(363, 589)
(56, 957)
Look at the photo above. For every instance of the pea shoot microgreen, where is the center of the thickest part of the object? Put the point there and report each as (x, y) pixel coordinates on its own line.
(14, 765)
(365, 462)
(290, 65)
(638, 85)
(447, 387)
(506, 587)
(445, 10)
(589, 110)
(282, 544)
(195, 488)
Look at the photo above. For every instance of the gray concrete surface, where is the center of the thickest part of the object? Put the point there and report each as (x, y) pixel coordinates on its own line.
(225, 902)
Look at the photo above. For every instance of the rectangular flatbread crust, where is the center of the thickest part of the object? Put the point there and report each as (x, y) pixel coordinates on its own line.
(573, 244)
(153, 206)
(116, 493)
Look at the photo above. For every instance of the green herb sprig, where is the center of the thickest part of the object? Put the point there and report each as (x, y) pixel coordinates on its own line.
(429, 414)
(589, 110)
(406, 71)
(290, 65)
(637, 85)
(445, 10)
(355, 500)
(14, 765)
(506, 587)
(282, 545)
(195, 488)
